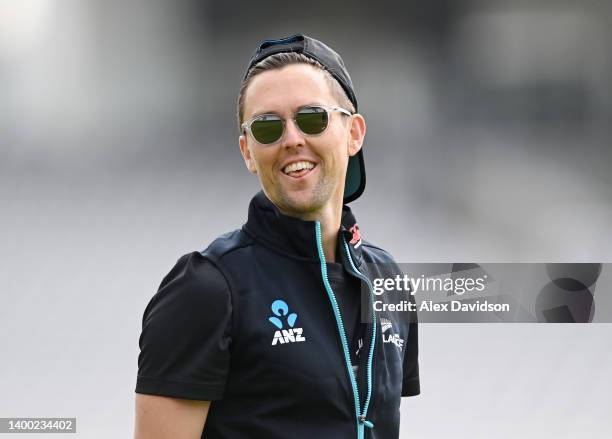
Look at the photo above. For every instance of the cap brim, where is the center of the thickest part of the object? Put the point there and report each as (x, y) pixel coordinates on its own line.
(355, 177)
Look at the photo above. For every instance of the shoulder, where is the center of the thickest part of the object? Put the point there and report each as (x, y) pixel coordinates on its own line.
(192, 281)
(199, 276)
(374, 253)
(191, 268)
(226, 244)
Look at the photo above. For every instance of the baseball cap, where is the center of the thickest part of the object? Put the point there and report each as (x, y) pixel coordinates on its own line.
(328, 58)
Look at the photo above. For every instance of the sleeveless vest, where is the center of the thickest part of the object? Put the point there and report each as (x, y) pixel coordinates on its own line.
(290, 374)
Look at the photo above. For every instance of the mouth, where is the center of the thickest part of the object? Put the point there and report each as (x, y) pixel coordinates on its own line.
(299, 169)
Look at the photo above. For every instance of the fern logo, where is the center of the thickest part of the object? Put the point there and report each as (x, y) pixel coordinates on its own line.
(388, 336)
(280, 309)
(386, 324)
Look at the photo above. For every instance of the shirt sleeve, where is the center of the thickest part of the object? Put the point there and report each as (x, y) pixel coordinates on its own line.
(186, 333)
(411, 384)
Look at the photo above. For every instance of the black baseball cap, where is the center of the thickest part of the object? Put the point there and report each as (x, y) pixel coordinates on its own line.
(328, 58)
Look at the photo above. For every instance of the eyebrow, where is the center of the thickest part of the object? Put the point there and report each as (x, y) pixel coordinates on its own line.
(261, 113)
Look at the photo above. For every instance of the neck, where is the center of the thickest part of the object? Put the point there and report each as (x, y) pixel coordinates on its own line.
(330, 225)
(330, 217)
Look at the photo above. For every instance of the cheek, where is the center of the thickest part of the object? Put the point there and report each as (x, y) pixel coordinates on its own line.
(342, 138)
(337, 149)
(263, 159)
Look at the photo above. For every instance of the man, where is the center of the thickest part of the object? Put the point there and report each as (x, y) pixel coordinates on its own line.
(261, 335)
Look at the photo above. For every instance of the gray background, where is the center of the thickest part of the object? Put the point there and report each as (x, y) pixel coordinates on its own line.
(488, 140)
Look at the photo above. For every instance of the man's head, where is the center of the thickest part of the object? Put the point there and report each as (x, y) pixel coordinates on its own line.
(280, 60)
(302, 160)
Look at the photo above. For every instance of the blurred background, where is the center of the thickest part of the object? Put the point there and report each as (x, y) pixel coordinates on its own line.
(489, 127)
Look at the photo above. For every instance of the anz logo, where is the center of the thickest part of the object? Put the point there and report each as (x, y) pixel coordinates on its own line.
(280, 309)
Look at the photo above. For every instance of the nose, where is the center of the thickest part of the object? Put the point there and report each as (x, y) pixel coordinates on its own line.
(292, 136)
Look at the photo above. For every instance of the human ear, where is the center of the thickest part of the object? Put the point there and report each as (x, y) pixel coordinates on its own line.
(356, 134)
(246, 154)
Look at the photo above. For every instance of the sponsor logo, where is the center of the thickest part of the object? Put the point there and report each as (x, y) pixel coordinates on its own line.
(280, 309)
(356, 238)
(389, 336)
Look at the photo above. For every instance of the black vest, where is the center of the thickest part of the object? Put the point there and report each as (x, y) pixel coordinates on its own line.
(290, 374)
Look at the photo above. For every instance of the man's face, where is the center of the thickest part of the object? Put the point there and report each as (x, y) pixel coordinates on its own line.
(309, 191)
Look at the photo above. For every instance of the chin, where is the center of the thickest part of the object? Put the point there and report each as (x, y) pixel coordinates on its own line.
(300, 203)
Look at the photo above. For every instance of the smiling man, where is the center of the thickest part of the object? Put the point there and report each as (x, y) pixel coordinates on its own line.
(265, 334)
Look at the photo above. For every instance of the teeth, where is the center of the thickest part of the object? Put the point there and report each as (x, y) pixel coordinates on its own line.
(298, 166)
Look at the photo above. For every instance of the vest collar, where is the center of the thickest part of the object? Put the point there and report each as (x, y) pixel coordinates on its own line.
(295, 237)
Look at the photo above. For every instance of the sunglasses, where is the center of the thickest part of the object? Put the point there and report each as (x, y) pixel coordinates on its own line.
(311, 120)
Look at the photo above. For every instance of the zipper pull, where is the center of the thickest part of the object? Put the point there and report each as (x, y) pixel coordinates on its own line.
(368, 424)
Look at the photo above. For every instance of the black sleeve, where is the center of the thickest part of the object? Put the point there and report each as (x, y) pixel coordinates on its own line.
(186, 333)
(411, 384)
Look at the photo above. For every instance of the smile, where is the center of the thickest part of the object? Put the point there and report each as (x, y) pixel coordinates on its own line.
(298, 169)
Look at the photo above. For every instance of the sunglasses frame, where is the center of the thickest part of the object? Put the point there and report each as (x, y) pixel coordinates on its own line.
(246, 126)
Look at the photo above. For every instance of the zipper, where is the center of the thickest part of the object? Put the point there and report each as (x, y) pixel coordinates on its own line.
(366, 404)
(360, 415)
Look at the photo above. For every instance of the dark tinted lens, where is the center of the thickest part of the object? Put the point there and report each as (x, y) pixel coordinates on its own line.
(312, 120)
(268, 129)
